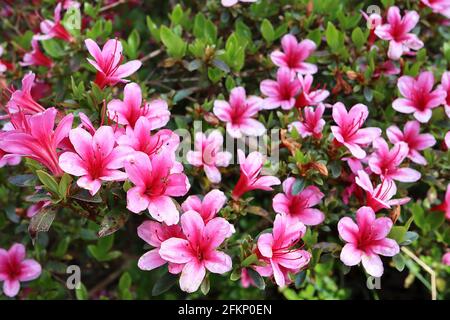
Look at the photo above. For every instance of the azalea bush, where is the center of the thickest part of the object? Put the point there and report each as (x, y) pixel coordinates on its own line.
(208, 149)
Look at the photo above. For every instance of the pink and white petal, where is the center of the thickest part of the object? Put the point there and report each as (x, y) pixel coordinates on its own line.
(348, 230)
(218, 262)
(128, 69)
(11, 287)
(93, 49)
(365, 217)
(266, 183)
(215, 232)
(137, 201)
(395, 50)
(278, 275)
(86, 182)
(222, 110)
(193, 227)
(223, 159)
(394, 134)
(212, 173)
(405, 175)
(355, 150)
(307, 68)
(192, 276)
(72, 164)
(103, 140)
(406, 85)
(385, 247)
(151, 260)
(214, 201)
(252, 127)
(150, 232)
(82, 142)
(311, 217)
(265, 244)
(29, 270)
(163, 209)
(403, 105)
(381, 228)
(373, 265)
(281, 204)
(176, 250)
(350, 255)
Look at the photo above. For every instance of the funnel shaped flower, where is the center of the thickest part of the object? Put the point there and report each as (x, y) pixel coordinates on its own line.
(22, 99)
(277, 250)
(35, 138)
(209, 207)
(128, 111)
(397, 32)
(379, 197)
(299, 206)
(154, 233)
(36, 57)
(419, 97)
(438, 6)
(156, 180)
(95, 158)
(250, 178)
(366, 241)
(445, 86)
(14, 269)
(294, 55)
(198, 252)
(208, 155)
(54, 29)
(348, 130)
(239, 112)
(385, 162)
(108, 63)
(445, 205)
(312, 124)
(308, 96)
(280, 93)
(140, 138)
(411, 136)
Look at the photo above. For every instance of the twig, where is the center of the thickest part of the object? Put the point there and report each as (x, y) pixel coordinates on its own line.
(424, 266)
(151, 55)
(112, 5)
(109, 279)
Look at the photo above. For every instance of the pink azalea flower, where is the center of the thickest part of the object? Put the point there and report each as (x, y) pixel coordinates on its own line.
(108, 63)
(21, 100)
(379, 197)
(230, 3)
(128, 111)
(307, 96)
(415, 141)
(67, 4)
(438, 6)
(387, 68)
(299, 206)
(397, 32)
(445, 86)
(36, 57)
(156, 180)
(212, 203)
(250, 178)
(446, 259)
(367, 240)
(34, 137)
(239, 112)
(140, 139)
(14, 269)
(447, 139)
(246, 280)
(277, 250)
(385, 162)
(95, 158)
(348, 130)
(418, 97)
(312, 124)
(54, 29)
(208, 155)
(445, 205)
(155, 233)
(198, 252)
(280, 93)
(3, 66)
(294, 54)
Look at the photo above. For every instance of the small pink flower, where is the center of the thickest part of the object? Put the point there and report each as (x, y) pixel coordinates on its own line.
(277, 250)
(230, 3)
(246, 280)
(312, 124)
(447, 139)
(445, 205)
(21, 100)
(239, 112)
(67, 4)
(307, 96)
(387, 68)
(299, 206)
(366, 241)
(212, 203)
(418, 97)
(3, 66)
(108, 63)
(33, 137)
(95, 159)
(154, 233)
(14, 269)
(385, 162)
(416, 142)
(294, 54)
(54, 29)
(438, 6)
(397, 32)
(36, 57)
(140, 139)
(198, 252)
(156, 180)
(445, 86)
(250, 178)
(280, 93)
(446, 259)
(379, 197)
(128, 111)
(208, 155)
(348, 130)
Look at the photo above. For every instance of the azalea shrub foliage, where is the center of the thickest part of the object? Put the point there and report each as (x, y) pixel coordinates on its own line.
(316, 135)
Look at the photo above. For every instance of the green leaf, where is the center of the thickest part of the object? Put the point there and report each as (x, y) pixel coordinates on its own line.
(48, 181)
(64, 184)
(42, 221)
(205, 286)
(397, 233)
(399, 262)
(176, 47)
(153, 28)
(435, 219)
(164, 283)
(358, 37)
(53, 48)
(81, 293)
(251, 259)
(419, 215)
(84, 195)
(332, 36)
(257, 279)
(267, 31)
